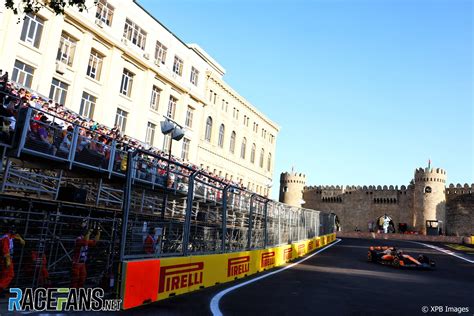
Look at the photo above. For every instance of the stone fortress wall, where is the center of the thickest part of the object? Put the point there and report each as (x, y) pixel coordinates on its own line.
(426, 198)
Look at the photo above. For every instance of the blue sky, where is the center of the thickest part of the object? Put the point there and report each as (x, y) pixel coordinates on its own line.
(365, 91)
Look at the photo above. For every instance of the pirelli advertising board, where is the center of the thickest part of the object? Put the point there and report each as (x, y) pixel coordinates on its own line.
(151, 280)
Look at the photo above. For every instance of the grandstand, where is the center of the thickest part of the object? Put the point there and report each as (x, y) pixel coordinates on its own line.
(63, 175)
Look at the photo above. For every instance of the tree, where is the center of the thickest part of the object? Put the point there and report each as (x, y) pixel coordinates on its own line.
(33, 6)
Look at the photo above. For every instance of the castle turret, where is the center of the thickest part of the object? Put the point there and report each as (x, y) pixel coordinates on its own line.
(291, 188)
(429, 197)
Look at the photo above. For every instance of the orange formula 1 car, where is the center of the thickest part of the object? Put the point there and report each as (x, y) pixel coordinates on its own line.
(397, 258)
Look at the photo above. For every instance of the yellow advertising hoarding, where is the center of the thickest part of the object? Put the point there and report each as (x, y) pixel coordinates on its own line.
(179, 275)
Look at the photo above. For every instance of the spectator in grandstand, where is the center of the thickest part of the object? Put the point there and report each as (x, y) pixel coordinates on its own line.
(65, 145)
(84, 139)
(171, 177)
(6, 261)
(44, 136)
(92, 135)
(7, 121)
(79, 259)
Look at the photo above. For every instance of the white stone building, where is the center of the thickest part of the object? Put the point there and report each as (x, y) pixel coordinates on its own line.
(118, 65)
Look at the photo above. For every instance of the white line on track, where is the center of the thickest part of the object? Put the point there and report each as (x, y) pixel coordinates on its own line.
(448, 252)
(215, 300)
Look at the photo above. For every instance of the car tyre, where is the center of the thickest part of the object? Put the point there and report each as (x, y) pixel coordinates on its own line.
(371, 256)
(396, 263)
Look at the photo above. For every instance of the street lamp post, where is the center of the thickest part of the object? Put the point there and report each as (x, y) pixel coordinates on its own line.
(168, 126)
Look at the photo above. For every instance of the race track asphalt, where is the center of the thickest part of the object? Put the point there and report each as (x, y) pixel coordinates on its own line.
(340, 281)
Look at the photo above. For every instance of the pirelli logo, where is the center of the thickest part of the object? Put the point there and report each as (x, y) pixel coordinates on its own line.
(268, 259)
(180, 276)
(287, 253)
(317, 243)
(301, 250)
(310, 245)
(239, 265)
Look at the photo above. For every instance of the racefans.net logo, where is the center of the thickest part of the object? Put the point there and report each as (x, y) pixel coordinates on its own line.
(61, 299)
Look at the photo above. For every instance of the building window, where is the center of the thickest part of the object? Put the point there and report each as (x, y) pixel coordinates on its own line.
(121, 119)
(185, 152)
(210, 95)
(220, 141)
(235, 114)
(67, 47)
(207, 136)
(178, 66)
(32, 30)
(160, 52)
(194, 76)
(269, 162)
(252, 153)
(171, 107)
(155, 98)
(150, 133)
(189, 117)
(23, 73)
(262, 154)
(95, 65)
(243, 148)
(105, 12)
(127, 82)
(134, 33)
(232, 142)
(87, 105)
(58, 91)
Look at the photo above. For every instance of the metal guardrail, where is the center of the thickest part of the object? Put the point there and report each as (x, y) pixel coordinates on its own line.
(202, 214)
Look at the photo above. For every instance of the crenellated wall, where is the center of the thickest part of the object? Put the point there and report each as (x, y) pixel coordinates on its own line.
(427, 197)
(455, 190)
(460, 213)
(356, 206)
